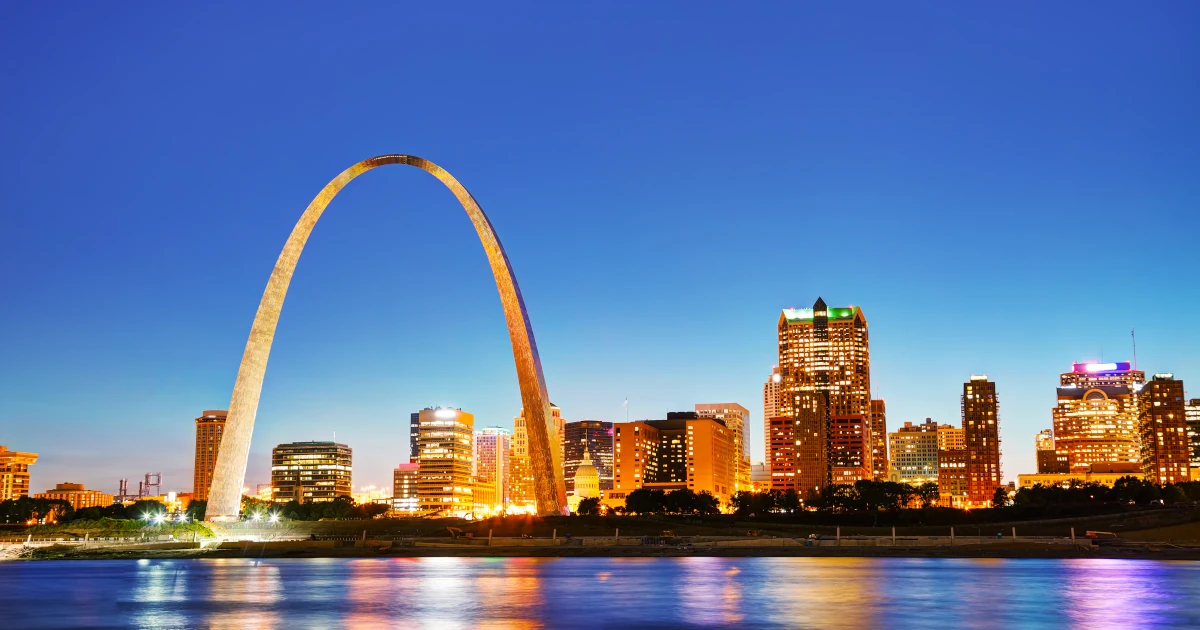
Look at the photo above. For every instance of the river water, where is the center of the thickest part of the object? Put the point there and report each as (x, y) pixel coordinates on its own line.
(601, 593)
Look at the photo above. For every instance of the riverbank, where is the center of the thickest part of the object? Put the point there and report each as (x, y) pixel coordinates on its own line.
(1010, 550)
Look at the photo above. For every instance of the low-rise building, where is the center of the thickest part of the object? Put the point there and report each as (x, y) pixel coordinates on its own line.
(14, 473)
(1103, 474)
(404, 489)
(78, 496)
(311, 472)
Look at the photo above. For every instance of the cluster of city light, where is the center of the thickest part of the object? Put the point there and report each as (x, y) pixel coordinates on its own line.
(272, 517)
(160, 518)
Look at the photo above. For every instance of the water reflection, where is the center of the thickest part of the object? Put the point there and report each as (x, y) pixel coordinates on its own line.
(601, 592)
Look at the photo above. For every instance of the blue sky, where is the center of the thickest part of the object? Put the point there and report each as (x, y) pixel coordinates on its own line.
(1004, 190)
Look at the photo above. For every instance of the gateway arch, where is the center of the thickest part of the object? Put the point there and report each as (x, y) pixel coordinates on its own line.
(545, 457)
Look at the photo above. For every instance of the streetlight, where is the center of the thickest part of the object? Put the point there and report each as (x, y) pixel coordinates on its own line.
(256, 517)
(274, 518)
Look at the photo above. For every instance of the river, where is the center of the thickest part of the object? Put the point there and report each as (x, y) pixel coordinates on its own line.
(600, 593)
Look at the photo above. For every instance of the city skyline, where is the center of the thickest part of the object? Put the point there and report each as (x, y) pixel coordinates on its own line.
(133, 293)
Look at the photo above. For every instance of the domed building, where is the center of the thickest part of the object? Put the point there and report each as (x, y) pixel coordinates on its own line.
(587, 482)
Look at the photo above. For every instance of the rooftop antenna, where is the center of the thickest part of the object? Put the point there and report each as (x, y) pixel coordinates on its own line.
(1133, 336)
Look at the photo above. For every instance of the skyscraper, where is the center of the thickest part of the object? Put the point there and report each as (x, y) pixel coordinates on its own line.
(737, 420)
(14, 473)
(1048, 459)
(879, 439)
(492, 448)
(981, 429)
(594, 436)
(781, 453)
(1095, 421)
(521, 479)
(914, 450)
(824, 363)
(445, 485)
(209, 428)
(771, 390)
(311, 472)
(1162, 427)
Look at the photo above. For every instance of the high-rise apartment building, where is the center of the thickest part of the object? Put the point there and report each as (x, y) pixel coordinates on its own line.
(210, 426)
(596, 438)
(14, 473)
(1192, 412)
(445, 484)
(1095, 421)
(981, 429)
(771, 390)
(78, 496)
(879, 439)
(781, 453)
(492, 470)
(1049, 461)
(1162, 428)
(683, 451)
(737, 419)
(914, 450)
(824, 364)
(311, 472)
(404, 489)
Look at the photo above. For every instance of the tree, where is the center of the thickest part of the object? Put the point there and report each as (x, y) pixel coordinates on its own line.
(706, 503)
(646, 501)
(1000, 498)
(682, 501)
(588, 507)
(927, 493)
(788, 500)
(195, 510)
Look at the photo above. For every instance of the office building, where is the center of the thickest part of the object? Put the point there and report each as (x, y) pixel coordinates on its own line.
(1162, 429)
(914, 450)
(981, 429)
(210, 426)
(1103, 475)
(879, 439)
(493, 446)
(596, 438)
(771, 390)
(445, 484)
(760, 477)
(521, 491)
(781, 453)
(737, 419)
(311, 472)
(824, 364)
(1049, 460)
(1095, 420)
(949, 437)
(404, 489)
(78, 496)
(14, 473)
(683, 451)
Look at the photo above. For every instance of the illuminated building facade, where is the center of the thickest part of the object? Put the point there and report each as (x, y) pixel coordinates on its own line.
(414, 437)
(14, 473)
(781, 453)
(683, 451)
(1191, 412)
(760, 477)
(78, 496)
(824, 364)
(445, 484)
(879, 439)
(949, 437)
(914, 450)
(1162, 429)
(492, 468)
(521, 480)
(404, 489)
(596, 438)
(771, 391)
(737, 420)
(209, 428)
(952, 477)
(311, 472)
(1106, 478)
(981, 429)
(1095, 420)
(1049, 460)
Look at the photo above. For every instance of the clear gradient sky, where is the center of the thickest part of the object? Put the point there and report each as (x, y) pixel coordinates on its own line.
(1003, 189)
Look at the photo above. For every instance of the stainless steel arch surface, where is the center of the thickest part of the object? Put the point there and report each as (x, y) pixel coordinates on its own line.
(545, 456)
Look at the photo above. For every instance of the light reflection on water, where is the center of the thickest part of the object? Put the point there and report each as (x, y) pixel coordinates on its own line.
(601, 592)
